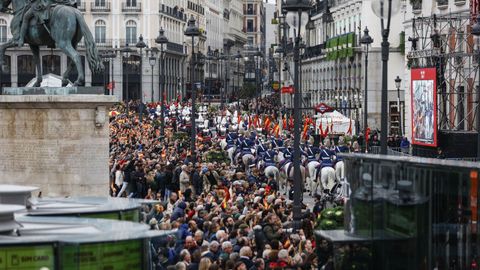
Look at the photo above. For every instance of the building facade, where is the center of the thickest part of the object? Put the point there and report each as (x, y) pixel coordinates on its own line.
(116, 25)
(332, 66)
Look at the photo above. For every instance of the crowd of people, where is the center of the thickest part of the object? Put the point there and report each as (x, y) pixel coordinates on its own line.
(224, 218)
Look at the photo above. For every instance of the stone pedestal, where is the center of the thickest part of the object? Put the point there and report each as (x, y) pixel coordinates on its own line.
(59, 143)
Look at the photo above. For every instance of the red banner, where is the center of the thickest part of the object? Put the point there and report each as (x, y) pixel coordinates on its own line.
(287, 90)
(424, 106)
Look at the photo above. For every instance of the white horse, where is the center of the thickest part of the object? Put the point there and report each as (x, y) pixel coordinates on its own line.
(246, 158)
(312, 174)
(340, 170)
(269, 170)
(326, 180)
(285, 174)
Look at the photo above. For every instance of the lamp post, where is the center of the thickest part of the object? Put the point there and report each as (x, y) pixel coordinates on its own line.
(257, 56)
(366, 40)
(238, 56)
(141, 45)
(126, 52)
(221, 60)
(209, 58)
(476, 32)
(192, 31)
(297, 18)
(152, 60)
(398, 83)
(112, 55)
(162, 40)
(384, 9)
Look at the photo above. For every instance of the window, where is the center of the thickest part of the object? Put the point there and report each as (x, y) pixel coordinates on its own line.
(100, 31)
(250, 40)
(100, 3)
(250, 27)
(131, 3)
(250, 10)
(131, 33)
(3, 30)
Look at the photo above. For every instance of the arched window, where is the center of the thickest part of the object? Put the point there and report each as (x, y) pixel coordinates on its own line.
(3, 30)
(100, 31)
(131, 32)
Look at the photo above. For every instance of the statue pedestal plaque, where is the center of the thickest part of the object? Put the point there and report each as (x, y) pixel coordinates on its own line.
(59, 143)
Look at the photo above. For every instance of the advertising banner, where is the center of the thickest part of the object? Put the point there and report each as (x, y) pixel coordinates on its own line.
(424, 106)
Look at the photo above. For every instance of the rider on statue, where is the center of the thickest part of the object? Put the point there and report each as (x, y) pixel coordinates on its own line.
(39, 9)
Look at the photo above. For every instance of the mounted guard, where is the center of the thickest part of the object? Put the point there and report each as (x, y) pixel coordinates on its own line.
(56, 24)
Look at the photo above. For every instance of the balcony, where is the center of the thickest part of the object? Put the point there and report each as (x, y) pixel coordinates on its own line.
(128, 7)
(173, 12)
(175, 47)
(100, 7)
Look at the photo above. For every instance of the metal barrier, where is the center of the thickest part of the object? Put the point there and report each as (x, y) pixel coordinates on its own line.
(393, 151)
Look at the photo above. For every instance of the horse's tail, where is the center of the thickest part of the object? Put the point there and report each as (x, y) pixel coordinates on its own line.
(94, 60)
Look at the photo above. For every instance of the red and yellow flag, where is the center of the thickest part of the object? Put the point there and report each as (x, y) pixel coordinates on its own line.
(267, 124)
(276, 130)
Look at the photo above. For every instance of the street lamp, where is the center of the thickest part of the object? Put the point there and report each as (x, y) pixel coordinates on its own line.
(152, 60)
(237, 56)
(398, 83)
(222, 57)
(162, 40)
(127, 52)
(297, 18)
(141, 45)
(476, 32)
(384, 10)
(192, 31)
(210, 60)
(366, 40)
(258, 57)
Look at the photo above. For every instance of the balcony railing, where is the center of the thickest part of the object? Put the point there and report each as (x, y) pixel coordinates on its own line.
(175, 47)
(164, 9)
(94, 7)
(128, 7)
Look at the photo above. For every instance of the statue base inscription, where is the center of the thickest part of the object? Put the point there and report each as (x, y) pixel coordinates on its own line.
(59, 143)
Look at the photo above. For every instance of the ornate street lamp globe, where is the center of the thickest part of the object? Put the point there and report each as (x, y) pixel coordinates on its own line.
(398, 81)
(161, 39)
(366, 38)
(476, 27)
(192, 28)
(141, 44)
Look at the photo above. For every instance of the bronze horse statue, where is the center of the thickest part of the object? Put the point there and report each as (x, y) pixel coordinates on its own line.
(64, 29)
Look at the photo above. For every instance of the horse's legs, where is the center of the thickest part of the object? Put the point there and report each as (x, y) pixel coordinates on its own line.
(36, 58)
(68, 49)
(67, 73)
(3, 48)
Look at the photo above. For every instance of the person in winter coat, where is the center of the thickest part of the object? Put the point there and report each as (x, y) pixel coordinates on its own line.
(184, 178)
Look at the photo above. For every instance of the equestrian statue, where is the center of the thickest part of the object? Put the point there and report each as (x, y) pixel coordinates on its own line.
(55, 24)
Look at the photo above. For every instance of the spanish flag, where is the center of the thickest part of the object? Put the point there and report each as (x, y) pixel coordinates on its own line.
(267, 124)
(255, 122)
(305, 129)
(276, 130)
(284, 123)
